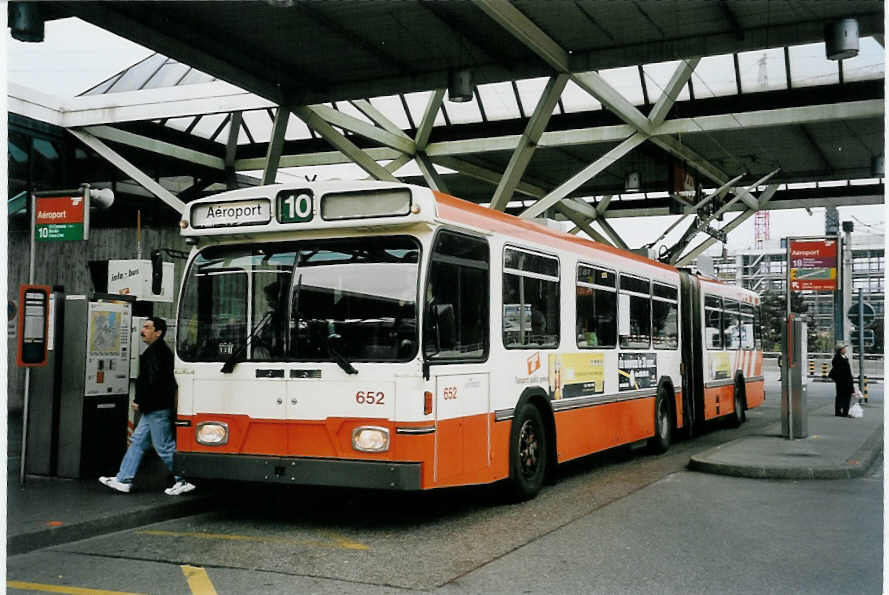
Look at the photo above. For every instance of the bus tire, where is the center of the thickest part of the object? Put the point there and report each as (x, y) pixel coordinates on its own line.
(663, 424)
(739, 415)
(527, 453)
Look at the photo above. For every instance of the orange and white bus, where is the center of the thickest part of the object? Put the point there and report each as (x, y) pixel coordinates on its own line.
(382, 335)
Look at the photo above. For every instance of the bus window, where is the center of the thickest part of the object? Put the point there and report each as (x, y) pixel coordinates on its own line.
(530, 299)
(731, 324)
(213, 308)
(664, 316)
(747, 327)
(713, 322)
(636, 297)
(457, 299)
(596, 303)
(294, 296)
(364, 290)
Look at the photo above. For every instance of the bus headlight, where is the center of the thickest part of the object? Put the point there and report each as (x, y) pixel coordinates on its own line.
(370, 439)
(212, 433)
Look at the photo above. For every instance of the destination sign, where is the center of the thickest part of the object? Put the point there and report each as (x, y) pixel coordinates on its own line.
(813, 265)
(59, 218)
(231, 214)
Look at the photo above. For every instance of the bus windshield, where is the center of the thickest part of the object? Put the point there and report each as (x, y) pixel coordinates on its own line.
(361, 292)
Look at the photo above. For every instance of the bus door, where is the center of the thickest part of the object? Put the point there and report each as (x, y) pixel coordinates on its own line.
(692, 354)
(455, 351)
(462, 428)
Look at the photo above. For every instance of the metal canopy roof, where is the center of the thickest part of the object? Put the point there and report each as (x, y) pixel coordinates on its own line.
(570, 96)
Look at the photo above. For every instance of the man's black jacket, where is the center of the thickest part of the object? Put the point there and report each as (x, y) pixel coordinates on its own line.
(156, 386)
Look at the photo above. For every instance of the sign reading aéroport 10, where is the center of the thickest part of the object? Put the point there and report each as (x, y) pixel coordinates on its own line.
(59, 218)
(812, 264)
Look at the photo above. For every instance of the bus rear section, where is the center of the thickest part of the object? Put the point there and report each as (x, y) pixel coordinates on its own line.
(724, 363)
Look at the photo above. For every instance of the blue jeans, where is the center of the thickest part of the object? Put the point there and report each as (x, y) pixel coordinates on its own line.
(155, 429)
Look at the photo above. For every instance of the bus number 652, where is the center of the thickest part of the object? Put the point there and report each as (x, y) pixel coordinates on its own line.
(369, 397)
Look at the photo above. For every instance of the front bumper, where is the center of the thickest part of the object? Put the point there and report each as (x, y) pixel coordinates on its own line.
(381, 475)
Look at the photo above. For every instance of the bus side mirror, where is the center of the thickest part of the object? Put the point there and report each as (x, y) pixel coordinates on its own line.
(157, 272)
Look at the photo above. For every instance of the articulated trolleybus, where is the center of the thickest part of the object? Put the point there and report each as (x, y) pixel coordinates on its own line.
(381, 335)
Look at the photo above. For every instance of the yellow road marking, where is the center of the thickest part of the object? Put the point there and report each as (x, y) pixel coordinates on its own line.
(23, 586)
(333, 540)
(198, 581)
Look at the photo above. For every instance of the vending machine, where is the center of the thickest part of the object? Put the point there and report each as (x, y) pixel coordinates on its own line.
(94, 401)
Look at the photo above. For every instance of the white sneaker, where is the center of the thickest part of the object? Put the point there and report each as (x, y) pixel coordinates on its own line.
(179, 488)
(115, 484)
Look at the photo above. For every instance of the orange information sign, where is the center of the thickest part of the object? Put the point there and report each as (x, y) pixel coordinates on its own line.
(59, 218)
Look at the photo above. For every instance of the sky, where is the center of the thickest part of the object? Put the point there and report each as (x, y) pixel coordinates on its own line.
(76, 56)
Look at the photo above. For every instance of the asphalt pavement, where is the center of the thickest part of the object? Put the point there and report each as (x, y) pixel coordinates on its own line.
(47, 511)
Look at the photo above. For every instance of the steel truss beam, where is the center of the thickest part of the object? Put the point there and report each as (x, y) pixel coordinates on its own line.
(276, 145)
(311, 117)
(516, 23)
(690, 256)
(521, 157)
(129, 169)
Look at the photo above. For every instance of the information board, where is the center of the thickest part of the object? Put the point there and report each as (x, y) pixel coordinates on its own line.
(108, 349)
(59, 218)
(812, 264)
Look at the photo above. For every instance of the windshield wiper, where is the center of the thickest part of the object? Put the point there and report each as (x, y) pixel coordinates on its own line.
(233, 359)
(333, 342)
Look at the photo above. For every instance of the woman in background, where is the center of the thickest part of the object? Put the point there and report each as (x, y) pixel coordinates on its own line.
(841, 374)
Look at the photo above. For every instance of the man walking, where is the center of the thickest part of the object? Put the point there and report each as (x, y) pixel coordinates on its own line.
(155, 399)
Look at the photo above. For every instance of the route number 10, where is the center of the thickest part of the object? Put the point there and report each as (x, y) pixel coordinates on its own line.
(296, 208)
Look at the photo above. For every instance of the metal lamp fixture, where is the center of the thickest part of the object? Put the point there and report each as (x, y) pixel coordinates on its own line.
(631, 181)
(25, 21)
(841, 39)
(460, 85)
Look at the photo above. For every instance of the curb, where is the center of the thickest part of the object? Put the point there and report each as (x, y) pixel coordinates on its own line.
(855, 466)
(27, 542)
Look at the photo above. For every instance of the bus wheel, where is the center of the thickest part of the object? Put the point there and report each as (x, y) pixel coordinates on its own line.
(739, 416)
(527, 454)
(663, 425)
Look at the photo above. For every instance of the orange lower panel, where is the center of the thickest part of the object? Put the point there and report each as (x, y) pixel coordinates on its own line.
(756, 393)
(331, 438)
(592, 429)
(461, 458)
(719, 401)
(462, 451)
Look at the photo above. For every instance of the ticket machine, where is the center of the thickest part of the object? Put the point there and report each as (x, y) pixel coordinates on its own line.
(95, 381)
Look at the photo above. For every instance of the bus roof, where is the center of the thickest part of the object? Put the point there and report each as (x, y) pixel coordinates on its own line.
(293, 207)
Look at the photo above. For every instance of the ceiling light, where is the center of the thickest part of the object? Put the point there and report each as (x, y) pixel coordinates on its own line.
(877, 168)
(460, 85)
(25, 21)
(632, 181)
(841, 39)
